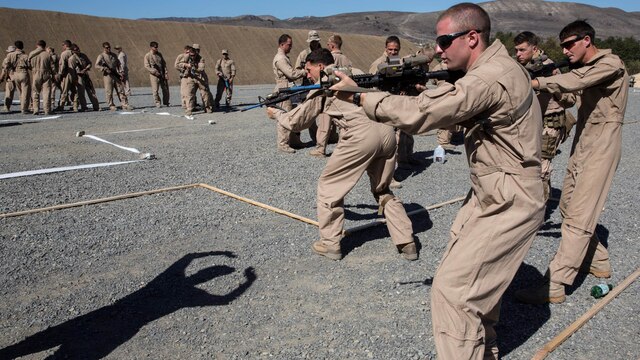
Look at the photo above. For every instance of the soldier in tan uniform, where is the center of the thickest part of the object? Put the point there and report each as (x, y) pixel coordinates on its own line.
(226, 71)
(189, 67)
(158, 74)
(335, 45)
(181, 58)
(601, 86)
(108, 63)
(124, 63)
(556, 123)
(55, 85)
(42, 72)
(285, 74)
(202, 81)
(504, 209)
(66, 78)
(81, 65)
(10, 86)
(313, 39)
(365, 146)
(17, 65)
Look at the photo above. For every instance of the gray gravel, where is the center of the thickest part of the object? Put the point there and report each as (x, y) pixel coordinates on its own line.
(171, 275)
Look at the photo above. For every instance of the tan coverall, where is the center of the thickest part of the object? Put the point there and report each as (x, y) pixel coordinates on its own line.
(181, 58)
(285, 74)
(226, 70)
(9, 86)
(602, 89)
(340, 60)
(67, 81)
(555, 123)
(54, 84)
(124, 63)
(82, 66)
(503, 210)
(158, 75)
(363, 146)
(188, 82)
(42, 74)
(111, 69)
(202, 82)
(17, 66)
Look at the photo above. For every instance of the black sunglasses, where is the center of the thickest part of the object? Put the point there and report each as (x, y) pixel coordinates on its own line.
(444, 41)
(569, 43)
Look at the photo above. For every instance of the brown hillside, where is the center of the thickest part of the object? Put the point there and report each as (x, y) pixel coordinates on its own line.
(252, 48)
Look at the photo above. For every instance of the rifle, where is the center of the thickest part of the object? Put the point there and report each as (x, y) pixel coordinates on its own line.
(538, 69)
(397, 75)
(112, 72)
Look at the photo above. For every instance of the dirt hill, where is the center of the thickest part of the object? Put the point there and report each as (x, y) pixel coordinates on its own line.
(252, 48)
(544, 18)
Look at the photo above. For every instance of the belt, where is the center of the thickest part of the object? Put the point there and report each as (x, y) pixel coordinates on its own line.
(533, 171)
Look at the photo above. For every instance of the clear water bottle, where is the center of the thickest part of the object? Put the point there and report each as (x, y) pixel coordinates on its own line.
(600, 290)
(438, 155)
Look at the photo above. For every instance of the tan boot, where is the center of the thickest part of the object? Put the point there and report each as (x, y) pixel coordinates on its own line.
(321, 249)
(286, 149)
(547, 292)
(408, 251)
(395, 184)
(317, 152)
(599, 269)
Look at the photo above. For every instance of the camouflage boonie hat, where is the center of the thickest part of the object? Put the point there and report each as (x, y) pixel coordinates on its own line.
(196, 46)
(313, 36)
(11, 48)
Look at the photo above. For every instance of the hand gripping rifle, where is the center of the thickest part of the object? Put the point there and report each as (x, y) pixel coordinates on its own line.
(112, 72)
(538, 69)
(397, 76)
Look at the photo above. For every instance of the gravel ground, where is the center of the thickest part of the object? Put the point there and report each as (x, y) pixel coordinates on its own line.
(195, 274)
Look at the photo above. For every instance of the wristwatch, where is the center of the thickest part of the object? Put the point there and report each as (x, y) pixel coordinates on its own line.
(356, 98)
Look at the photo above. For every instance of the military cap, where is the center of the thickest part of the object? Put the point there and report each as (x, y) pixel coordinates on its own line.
(225, 51)
(196, 46)
(11, 49)
(118, 47)
(313, 36)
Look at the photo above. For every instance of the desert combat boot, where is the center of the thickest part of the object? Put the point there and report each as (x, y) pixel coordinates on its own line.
(547, 292)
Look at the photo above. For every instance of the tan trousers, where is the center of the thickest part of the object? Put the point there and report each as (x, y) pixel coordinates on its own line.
(444, 135)
(158, 84)
(85, 82)
(112, 83)
(322, 133)
(595, 156)
(9, 91)
(205, 92)
(41, 84)
(126, 87)
(23, 84)
(285, 136)
(489, 239)
(68, 91)
(370, 147)
(188, 87)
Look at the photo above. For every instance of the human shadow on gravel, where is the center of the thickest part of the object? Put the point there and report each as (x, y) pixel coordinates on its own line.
(518, 321)
(421, 222)
(96, 334)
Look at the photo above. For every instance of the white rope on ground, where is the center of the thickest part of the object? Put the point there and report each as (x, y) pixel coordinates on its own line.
(29, 120)
(133, 150)
(189, 117)
(64, 168)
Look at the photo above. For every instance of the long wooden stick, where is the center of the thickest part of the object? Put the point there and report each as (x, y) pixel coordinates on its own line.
(97, 201)
(259, 204)
(571, 329)
(411, 213)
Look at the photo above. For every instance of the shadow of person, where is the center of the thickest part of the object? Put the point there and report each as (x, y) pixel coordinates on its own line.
(420, 222)
(96, 334)
(518, 321)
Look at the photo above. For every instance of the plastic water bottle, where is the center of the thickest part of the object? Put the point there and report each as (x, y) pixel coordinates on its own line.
(438, 155)
(600, 290)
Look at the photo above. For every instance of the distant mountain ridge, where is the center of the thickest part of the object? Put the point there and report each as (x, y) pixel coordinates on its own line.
(545, 18)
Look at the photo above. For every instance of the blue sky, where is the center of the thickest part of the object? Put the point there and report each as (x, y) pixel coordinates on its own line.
(134, 9)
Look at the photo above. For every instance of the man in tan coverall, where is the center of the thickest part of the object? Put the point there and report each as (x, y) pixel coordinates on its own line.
(10, 86)
(158, 74)
(108, 63)
(56, 65)
(503, 211)
(601, 85)
(556, 124)
(181, 58)
(285, 74)
(189, 67)
(226, 71)
(66, 78)
(124, 64)
(81, 65)
(364, 146)
(202, 81)
(17, 65)
(42, 73)
(335, 45)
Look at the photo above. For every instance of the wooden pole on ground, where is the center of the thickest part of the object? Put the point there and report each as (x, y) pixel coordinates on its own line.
(571, 329)
(259, 204)
(96, 201)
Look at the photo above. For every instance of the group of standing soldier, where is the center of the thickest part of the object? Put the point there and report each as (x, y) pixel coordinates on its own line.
(513, 126)
(37, 75)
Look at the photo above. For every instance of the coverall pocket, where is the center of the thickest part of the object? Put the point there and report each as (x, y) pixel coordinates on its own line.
(494, 191)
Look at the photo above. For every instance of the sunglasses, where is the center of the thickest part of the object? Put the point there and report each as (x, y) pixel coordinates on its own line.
(569, 43)
(444, 41)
